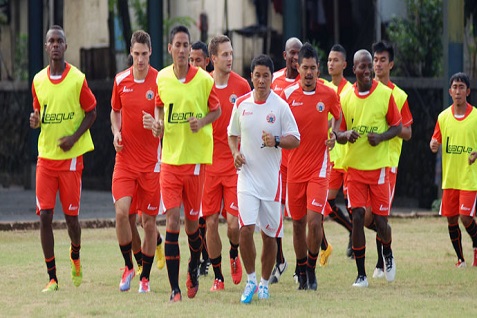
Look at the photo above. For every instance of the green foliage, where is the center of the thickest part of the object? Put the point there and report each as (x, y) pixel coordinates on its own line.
(418, 39)
(20, 71)
(140, 13)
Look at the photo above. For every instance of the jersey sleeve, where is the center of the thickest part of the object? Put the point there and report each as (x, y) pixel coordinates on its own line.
(36, 104)
(87, 99)
(234, 128)
(437, 133)
(393, 116)
(115, 98)
(336, 107)
(289, 126)
(213, 101)
(406, 115)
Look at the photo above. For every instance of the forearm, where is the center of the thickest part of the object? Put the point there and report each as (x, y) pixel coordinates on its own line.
(392, 132)
(115, 121)
(289, 142)
(211, 117)
(87, 122)
(233, 144)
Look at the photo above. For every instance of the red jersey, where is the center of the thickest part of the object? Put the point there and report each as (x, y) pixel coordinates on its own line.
(311, 109)
(141, 150)
(222, 161)
(280, 81)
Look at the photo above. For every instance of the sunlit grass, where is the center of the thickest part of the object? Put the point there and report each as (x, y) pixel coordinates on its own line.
(427, 284)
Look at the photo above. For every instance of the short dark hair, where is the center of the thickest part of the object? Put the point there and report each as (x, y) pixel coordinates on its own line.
(460, 77)
(214, 43)
(178, 29)
(339, 48)
(263, 60)
(307, 51)
(56, 27)
(383, 46)
(141, 37)
(199, 45)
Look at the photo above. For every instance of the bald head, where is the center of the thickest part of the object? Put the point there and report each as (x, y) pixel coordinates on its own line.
(360, 54)
(293, 42)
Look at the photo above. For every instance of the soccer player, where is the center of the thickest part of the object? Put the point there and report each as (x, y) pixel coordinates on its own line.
(370, 119)
(383, 62)
(455, 129)
(281, 79)
(64, 108)
(336, 66)
(310, 102)
(264, 122)
(221, 177)
(186, 106)
(137, 167)
(199, 57)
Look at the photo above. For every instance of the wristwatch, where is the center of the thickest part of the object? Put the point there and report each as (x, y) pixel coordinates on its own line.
(277, 141)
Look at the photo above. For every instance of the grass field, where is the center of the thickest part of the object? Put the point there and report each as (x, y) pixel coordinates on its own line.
(427, 283)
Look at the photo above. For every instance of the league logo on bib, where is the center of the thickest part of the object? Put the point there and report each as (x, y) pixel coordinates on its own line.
(271, 118)
(320, 107)
(149, 95)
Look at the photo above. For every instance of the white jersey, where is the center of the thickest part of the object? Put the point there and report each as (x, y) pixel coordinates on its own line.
(260, 175)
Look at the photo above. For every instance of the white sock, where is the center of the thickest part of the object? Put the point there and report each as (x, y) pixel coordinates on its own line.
(264, 282)
(252, 277)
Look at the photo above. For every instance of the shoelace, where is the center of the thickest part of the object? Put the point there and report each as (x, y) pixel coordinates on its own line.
(249, 288)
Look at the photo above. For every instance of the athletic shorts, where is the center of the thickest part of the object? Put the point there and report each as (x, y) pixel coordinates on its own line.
(392, 183)
(311, 195)
(177, 188)
(220, 191)
(49, 182)
(458, 202)
(336, 178)
(266, 214)
(142, 185)
(369, 188)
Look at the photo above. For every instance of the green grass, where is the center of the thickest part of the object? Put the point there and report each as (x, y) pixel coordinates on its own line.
(427, 284)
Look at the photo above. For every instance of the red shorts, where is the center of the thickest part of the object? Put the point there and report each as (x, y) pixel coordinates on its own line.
(336, 178)
(177, 188)
(142, 187)
(303, 196)
(283, 172)
(220, 189)
(458, 202)
(369, 188)
(392, 183)
(49, 182)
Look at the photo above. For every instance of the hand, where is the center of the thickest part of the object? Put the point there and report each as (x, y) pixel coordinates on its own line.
(434, 144)
(66, 143)
(35, 119)
(147, 120)
(352, 136)
(239, 160)
(157, 128)
(118, 142)
(472, 157)
(268, 139)
(330, 143)
(195, 124)
(374, 139)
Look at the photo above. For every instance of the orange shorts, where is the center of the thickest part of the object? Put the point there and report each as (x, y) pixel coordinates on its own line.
(220, 189)
(303, 196)
(49, 182)
(142, 187)
(177, 188)
(369, 188)
(337, 178)
(458, 202)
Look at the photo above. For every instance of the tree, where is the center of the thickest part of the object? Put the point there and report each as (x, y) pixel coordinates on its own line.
(418, 39)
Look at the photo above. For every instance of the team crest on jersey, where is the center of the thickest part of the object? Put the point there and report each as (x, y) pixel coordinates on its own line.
(149, 94)
(233, 98)
(320, 107)
(271, 118)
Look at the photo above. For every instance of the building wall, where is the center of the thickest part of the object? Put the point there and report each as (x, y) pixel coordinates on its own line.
(86, 26)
